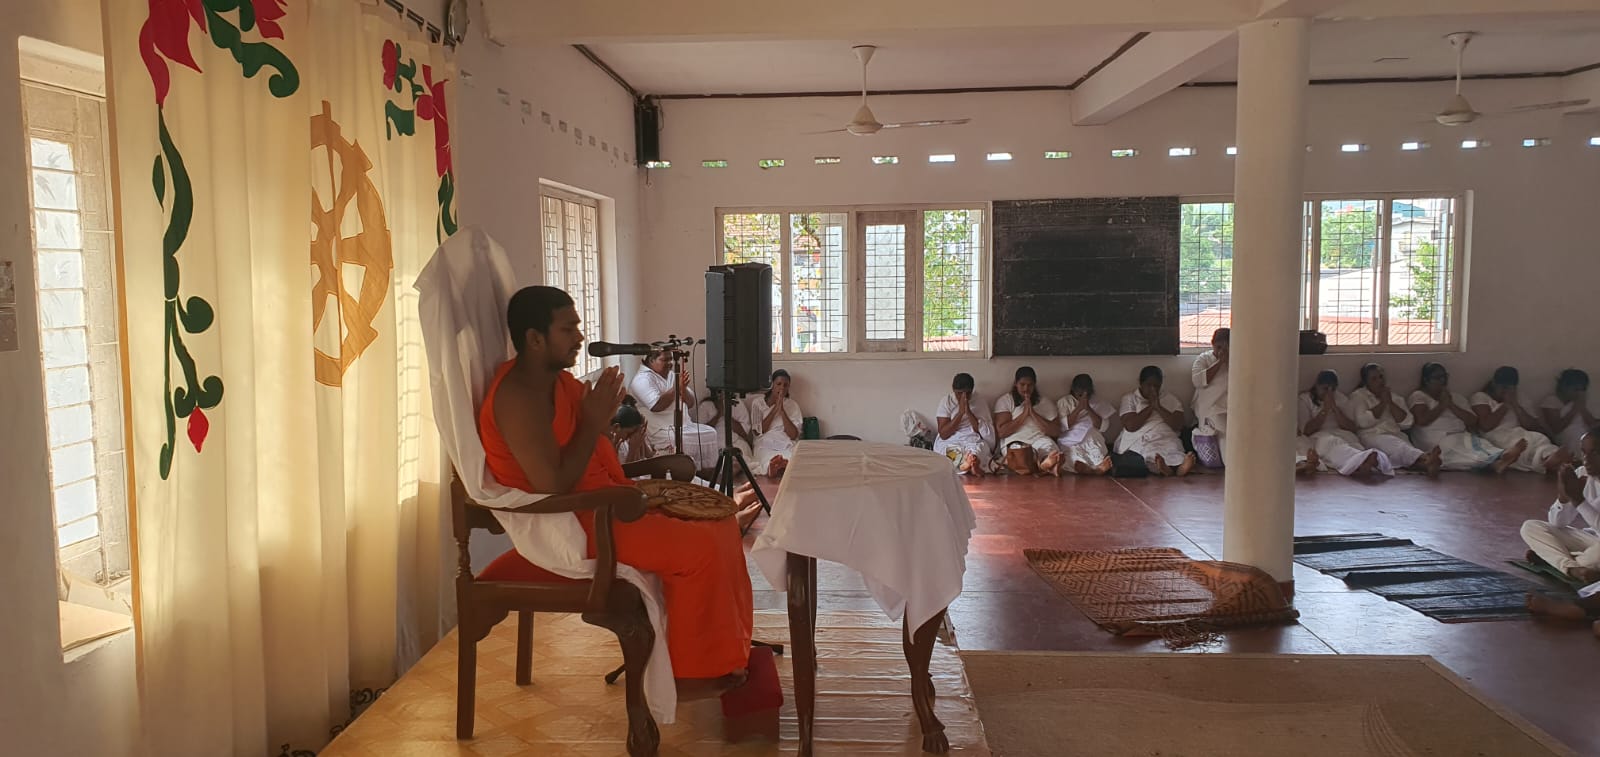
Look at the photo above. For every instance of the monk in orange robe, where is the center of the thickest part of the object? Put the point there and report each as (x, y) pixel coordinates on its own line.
(544, 431)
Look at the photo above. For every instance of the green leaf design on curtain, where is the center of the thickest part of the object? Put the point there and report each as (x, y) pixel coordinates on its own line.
(193, 316)
(252, 56)
(399, 120)
(447, 206)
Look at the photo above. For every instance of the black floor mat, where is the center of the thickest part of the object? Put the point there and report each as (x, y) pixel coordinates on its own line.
(1445, 588)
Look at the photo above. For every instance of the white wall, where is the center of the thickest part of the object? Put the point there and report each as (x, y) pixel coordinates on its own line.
(1533, 254)
(47, 707)
(502, 154)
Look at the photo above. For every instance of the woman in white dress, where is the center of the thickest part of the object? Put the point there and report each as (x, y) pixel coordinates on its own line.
(1382, 420)
(1566, 413)
(711, 415)
(1023, 417)
(627, 433)
(1085, 419)
(1506, 423)
(1210, 374)
(1445, 420)
(653, 387)
(966, 433)
(1151, 420)
(1326, 417)
(774, 420)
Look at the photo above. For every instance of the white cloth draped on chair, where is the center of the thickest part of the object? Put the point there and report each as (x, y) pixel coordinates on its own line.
(465, 288)
(284, 170)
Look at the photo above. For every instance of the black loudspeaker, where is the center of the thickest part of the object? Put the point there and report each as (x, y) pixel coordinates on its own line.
(739, 327)
(646, 132)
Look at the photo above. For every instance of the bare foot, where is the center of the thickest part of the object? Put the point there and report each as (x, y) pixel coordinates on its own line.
(745, 495)
(1052, 464)
(1368, 466)
(1188, 464)
(1560, 458)
(1586, 575)
(1304, 468)
(1081, 468)
(1161, 468)
(1104, 468)
(776, 466)
(706, 688)
(748, 515)
(968, 464)
(1549, 607)
(1433, 462)
(1509, 457)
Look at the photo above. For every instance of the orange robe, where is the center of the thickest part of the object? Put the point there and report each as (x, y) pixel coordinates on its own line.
(700, 563)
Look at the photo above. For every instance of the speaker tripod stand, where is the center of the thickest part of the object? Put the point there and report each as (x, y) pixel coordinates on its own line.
(730, 460)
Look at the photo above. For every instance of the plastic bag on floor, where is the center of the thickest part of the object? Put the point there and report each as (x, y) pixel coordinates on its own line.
(919, 432)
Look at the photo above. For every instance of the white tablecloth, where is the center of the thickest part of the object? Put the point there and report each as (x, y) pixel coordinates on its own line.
(896, 514)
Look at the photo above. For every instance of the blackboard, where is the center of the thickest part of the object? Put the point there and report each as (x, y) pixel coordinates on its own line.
(1091, 276)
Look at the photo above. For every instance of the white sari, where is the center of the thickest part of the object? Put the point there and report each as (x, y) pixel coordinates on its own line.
(1383, 432)
(966, 440)
(1084, 441)
(1338, 448)
(1460, 448)
(1032, 433)
(700, 441)
(1155, 438)
(774, 441)
(1539, 448)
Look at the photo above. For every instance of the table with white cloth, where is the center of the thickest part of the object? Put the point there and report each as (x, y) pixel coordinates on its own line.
(897, 515)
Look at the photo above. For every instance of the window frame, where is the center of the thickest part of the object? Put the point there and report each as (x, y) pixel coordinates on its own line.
(1311, 267)
(593, 329)
(854, 267)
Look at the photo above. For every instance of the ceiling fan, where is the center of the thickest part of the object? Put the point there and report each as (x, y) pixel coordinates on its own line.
(1459, 112)
(864, 123)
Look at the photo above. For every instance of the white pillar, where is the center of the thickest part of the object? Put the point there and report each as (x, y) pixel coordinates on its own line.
(1269, 174)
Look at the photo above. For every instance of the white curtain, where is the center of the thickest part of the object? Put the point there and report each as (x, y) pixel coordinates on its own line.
(284, 171)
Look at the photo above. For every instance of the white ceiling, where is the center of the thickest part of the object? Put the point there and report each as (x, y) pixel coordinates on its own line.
(1340, 50)
(1361, 49)
(1057, 58)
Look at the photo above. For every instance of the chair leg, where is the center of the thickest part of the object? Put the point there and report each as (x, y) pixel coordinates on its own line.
(627, 618)
(466, 684)
(524, 647)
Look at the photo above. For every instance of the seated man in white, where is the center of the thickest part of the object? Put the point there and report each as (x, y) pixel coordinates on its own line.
(1506, 424)
(1566, 413)
(774, 419)
(653, 386)
(1559, 540)
(1085, 419)
(1210, 374)
(1325, 417)
(966, 432)
(1382, 419)
(1151, 420)
(1024, 418)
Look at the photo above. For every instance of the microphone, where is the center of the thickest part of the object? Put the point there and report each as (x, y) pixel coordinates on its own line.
(607, 349)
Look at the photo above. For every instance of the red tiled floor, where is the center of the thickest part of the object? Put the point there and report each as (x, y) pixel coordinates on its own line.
(1541, 670)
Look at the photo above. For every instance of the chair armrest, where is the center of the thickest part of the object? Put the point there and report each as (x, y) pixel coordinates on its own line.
(679, 467)
(625, 503)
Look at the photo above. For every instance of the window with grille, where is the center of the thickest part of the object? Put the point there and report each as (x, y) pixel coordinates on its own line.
(572, 261)
(78, 331)
(1205, 271)
(1380, 273)
(867, 280)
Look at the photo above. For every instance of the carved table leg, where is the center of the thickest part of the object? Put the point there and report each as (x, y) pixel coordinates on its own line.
(802, 592)
(919, 652)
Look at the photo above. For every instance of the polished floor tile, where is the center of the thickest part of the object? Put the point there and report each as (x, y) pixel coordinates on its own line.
(1543, 671)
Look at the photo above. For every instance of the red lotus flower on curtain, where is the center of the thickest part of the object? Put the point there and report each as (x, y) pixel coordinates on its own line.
(165, 34)
(267, 14)
(428, 104)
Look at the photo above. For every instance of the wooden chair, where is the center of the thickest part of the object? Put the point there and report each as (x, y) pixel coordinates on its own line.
(512, 584)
